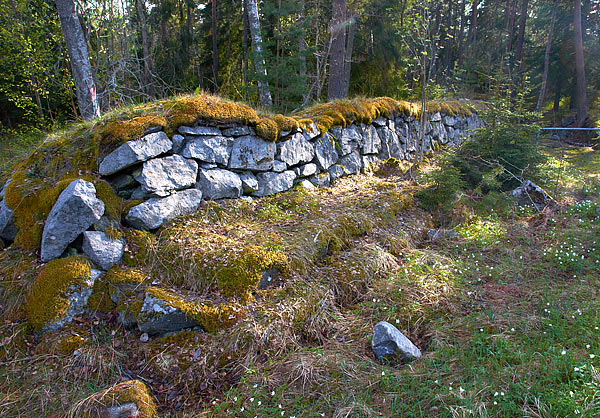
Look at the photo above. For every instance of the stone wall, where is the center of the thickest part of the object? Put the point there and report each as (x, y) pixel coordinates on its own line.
(217, 161)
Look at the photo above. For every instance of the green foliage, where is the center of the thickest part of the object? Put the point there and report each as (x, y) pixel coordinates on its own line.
(444, 188)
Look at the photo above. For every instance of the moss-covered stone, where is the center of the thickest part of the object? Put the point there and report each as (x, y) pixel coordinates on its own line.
(210, 316)
(48, 301)
(121, 395)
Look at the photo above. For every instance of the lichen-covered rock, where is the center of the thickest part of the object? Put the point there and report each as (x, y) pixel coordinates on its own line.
(347, 139)
(321, 180)
(435, 117)
(75, 210)
(450, 120)
(305, 184)
(271, 183)
(210, 149)
(325, 153)
(249, 182)
(371, 140)
(238, 131)
(60, 292)
(336, 172)
(219, 184)
(389, 344)
(103, 250)
(306, 170)
(123, 181)
(279, 166)
(296, 150)
(161, 176)
(3, 190)
(178, 141)
(154, 212)
(124, 400)
(160, 314)
(252, 153)
(8, 229)
(133, 152)
(352, 162)
(311, 131)
(199, 130)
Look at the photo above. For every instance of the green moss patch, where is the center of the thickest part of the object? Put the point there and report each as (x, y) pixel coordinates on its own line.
(47, 300)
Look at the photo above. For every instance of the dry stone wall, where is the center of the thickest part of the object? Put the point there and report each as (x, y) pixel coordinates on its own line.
(212, 161)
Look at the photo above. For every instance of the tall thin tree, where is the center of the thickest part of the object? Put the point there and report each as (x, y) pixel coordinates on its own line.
(80, 59)
(335, 84)
(580, 91)
(259, 60)
(540, 101)
(215, 50)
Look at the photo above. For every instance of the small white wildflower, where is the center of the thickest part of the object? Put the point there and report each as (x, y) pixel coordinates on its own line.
(563, 352)
(592, 355)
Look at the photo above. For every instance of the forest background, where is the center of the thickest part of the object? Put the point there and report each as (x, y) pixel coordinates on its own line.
(282, 55)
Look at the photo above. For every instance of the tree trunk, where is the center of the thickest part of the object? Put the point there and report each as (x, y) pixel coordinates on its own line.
(245, 46)
(259, 60)
(348, 54)
(510, 23)
(80, 60)
(449, 37)
(473, 27)
(215, 50)
(147, 77)
(302, 50)
(580, 95)
(521, 38)
(461, 32)
(335, 85)
(540, 102)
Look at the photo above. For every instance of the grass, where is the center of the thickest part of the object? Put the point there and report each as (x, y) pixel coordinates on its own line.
(506, 314)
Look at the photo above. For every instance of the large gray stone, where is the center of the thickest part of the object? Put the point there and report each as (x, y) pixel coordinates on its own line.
(123, 181)
(199, 130)
(352, 162)
(439, 133)
(279, 166)
(371, 140)
(306, 170)
(252, 153)
(210, 149)
(158, 316)
(8, 229)
(325, 153)
(271, 183)
(76, 209)
(154, 212)
(296, 150)
(249, 182)
(450, 120)
(347, 139)
(311, 131)
(133, 152)
(389, 344)
(163, 175)
(104, 251)
(219, 184)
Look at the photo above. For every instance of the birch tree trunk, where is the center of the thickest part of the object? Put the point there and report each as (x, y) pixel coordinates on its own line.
(540, 101)
(335, 84)
(580, 93)
(80, 59)
(259, 61)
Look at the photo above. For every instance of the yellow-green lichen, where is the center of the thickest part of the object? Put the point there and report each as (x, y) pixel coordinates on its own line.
(210, 316)
(47, 301)
(99, 300)
(132, 391)
(241, 270)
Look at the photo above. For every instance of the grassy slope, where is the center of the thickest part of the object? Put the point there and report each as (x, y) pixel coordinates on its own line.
(507, 314)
